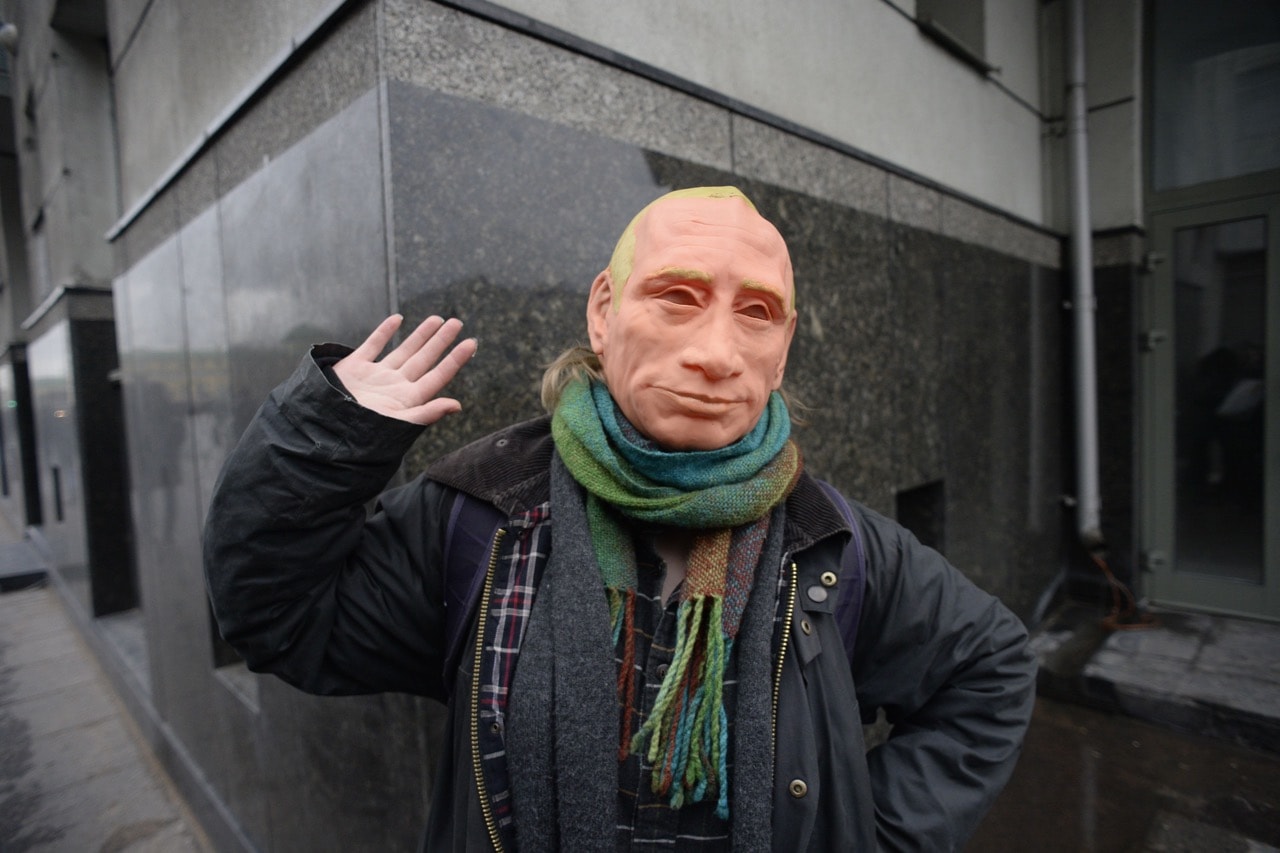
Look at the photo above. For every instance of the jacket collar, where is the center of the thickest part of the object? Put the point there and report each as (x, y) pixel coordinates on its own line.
(511, 470)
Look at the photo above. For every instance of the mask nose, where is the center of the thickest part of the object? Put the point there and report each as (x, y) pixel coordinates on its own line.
(713, 350)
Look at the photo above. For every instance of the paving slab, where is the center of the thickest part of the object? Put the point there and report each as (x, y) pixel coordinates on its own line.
(1206, 673)
(74, 773)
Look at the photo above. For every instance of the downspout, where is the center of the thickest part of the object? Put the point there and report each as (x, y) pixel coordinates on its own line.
(1083, 302)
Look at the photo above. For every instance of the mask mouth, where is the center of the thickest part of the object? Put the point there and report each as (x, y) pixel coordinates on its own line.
(693, 401)
(703, 398)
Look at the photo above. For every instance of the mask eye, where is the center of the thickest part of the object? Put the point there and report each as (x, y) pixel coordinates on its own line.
(678, 296)
(756, 311)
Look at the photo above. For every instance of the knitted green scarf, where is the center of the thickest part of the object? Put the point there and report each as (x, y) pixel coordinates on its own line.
(725, 496)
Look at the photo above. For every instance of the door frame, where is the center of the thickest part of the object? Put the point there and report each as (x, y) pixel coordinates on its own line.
(1163, 583)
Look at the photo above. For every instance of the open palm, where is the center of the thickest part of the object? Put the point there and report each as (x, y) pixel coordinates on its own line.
(405, 384)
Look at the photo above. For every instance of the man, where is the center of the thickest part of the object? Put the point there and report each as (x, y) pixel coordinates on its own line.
(676, 633)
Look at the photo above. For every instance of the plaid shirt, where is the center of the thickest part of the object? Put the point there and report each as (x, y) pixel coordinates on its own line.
(515, 581)
(644, 820)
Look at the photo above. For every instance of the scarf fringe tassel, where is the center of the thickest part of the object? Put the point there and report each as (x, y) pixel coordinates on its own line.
(686, 736)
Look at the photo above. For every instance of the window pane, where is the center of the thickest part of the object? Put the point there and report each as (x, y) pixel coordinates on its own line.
(1216, 90)
(1220, 304)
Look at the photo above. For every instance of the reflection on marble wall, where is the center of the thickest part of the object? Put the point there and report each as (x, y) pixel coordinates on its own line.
(153, 345)
(19, 498)
(504, 221)
(58, 456)
(207, 351)
(210, 320)
(304, 253)
(80, 455)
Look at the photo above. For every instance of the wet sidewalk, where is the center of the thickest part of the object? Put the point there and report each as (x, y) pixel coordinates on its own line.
(1103, 782)
(1164, 737)
(74, 774)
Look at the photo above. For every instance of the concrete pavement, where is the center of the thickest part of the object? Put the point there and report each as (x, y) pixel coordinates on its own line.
(75, 775)
(1193, 672)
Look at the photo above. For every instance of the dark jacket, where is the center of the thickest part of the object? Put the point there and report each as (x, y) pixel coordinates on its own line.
(304, 586)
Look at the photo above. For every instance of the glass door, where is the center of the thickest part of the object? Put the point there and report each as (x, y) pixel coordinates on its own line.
(1211, 478)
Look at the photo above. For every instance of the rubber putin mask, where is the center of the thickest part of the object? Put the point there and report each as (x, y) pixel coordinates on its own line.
(697, 338)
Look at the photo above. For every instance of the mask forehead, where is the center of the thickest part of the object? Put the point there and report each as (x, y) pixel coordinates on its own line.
(715, 236)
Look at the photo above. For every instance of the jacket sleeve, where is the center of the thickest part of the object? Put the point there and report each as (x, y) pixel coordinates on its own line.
(951, 668)
(305, 583)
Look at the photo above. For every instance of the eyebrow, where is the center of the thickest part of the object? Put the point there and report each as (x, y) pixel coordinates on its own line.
(770, 290)
(680, 274)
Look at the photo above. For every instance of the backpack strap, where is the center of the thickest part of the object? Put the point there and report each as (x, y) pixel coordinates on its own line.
(853, 572)
(468, 540)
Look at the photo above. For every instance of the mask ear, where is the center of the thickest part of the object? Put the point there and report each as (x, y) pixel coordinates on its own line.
(599, 305)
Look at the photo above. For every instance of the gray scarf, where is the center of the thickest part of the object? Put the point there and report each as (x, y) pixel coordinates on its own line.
(562, 721)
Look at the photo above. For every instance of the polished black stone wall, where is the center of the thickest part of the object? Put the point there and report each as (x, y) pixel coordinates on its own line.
(21, 498)
(210, 320)
(920, 358)
(79, 460)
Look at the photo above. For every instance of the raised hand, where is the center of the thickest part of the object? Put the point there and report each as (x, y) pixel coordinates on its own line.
(404, 383)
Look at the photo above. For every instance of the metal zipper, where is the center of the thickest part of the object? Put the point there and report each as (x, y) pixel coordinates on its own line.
(782, 654)
(482, 791)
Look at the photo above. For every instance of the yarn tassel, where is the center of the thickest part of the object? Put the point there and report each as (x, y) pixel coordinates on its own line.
(685, 738)
(624, 616)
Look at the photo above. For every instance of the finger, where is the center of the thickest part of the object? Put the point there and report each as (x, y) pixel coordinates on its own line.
(435, 379)
(413, 343)
(378, 339)
(432, 411)
(425, 357)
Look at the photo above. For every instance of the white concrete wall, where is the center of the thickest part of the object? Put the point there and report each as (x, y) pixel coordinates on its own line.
(858, 71)
(1114, 96)
(1113, 57)
(855, 70)
(62, 124)
(178, 65)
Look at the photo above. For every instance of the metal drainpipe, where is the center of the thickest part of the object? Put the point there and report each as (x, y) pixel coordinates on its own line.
(1083, 303)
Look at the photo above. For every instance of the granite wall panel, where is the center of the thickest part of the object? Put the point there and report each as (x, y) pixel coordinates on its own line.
(432, 46)
(11, 497)
(344, 773)
(150, 313)
(504, 221)
(319, 84)
(302, 258)
(975, 364)
(304, 254)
